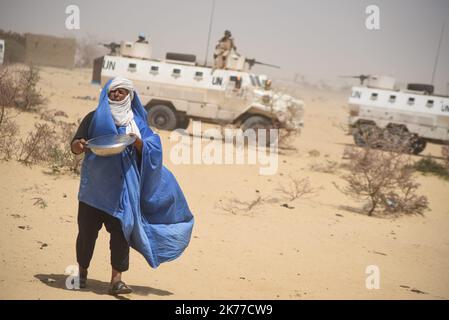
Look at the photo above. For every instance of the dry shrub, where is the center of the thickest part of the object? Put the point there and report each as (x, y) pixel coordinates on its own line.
(18, 87)
(50, 145)
(50, 116)
(328, 166)
(8, 86)
(314, 153)
(234, 205)
(295, 188)
(385, 179)
(445, 154)
(62, 156)
(36, 148)
(8, 136)
(60, 113)
(29, 95)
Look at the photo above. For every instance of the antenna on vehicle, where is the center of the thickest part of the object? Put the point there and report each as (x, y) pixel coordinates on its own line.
(210, 29)
(438, 54)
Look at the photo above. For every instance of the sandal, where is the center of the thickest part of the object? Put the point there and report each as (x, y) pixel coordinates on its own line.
(119, 288)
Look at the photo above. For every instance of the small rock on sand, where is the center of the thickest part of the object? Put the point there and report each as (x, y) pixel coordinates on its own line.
(43, 245)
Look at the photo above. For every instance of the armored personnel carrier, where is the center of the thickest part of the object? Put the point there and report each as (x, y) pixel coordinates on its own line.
(177, 89)
(414, 115)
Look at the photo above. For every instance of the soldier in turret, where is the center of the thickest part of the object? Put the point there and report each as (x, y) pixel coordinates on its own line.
(142, 38)
(223, 49)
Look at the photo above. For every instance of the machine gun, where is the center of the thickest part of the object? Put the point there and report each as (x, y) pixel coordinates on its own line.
(252, 62)
(362, 77)
(112, 47)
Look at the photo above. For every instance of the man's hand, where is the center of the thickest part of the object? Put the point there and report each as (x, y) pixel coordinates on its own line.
(138, 144)
(79, 146)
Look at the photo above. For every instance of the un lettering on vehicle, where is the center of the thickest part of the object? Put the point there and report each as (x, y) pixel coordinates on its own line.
(108, 65)
(217, 81)
(356, 94)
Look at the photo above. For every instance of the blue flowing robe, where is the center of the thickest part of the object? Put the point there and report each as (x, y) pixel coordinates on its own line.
(141, 193)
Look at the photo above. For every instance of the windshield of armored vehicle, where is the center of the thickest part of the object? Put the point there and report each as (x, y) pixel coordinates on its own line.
(255, 80)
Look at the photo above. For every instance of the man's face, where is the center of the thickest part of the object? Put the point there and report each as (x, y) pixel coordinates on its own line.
(118, 94)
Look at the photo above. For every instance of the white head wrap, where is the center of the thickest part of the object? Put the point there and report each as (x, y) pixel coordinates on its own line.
(121, 110)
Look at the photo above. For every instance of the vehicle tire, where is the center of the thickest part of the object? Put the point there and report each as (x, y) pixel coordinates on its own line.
(417, 145)
(427, 88)
(256, 123)
(162, 117)
(183, 123)
(367, 135)
(358, 138)
(401, 139)
(398, 138)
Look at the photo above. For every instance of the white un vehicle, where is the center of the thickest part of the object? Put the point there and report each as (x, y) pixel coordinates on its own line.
(177, 89)
(415, 115)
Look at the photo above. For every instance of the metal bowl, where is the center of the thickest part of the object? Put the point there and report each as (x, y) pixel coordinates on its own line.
(110, 145)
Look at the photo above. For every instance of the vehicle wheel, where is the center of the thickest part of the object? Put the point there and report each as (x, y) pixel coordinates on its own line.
(398, 138)
(367, 135)
(358, 138)
(256, 123)
(162, 117)
(401, 139)
(417, 145)
(183, 123)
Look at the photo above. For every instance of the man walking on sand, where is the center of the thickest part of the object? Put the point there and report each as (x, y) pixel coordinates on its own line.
(137, 199)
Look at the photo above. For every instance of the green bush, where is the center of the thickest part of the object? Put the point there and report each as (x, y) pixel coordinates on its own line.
(430, 166)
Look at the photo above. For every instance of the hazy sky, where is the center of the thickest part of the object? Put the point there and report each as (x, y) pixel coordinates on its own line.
(319, 39)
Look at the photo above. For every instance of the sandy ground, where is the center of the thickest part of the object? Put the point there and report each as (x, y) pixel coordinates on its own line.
(314, 250)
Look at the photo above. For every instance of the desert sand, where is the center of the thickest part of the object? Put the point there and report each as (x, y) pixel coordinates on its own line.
(315, 249)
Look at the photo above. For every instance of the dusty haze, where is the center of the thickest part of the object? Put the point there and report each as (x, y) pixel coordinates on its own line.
(319, 39)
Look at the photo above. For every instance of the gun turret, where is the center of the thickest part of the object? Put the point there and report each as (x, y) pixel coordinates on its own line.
(112, 47)
(375, 81)
(362, 78)
(252, 62)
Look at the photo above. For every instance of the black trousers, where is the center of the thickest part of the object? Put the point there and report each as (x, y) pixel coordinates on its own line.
(90, 221)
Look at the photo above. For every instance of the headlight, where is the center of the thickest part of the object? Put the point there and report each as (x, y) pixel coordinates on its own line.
(266, 99)
(354, 112)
